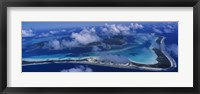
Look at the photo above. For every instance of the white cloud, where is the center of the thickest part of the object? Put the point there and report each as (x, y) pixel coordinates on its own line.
(27, 33)
(63, 30)
(165, 28)
(111, 29)
(86, 36)
(115, 29)
(44, 35)
(168, 31)
(92, 30)
(69, 44)
(123, 28)
(136, 26)
(104, 29)
(155, 29)
(142, 37)
(53, 32)
(169, 28)
(78, 69)
(59, 45)
(55, 44)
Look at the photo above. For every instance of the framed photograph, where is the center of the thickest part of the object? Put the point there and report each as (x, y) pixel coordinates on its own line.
(90, 46)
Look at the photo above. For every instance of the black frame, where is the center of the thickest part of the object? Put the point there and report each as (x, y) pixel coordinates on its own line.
(101, 3)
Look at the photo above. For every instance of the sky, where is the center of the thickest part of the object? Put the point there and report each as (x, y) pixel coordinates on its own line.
(57, 25)
(39, 25)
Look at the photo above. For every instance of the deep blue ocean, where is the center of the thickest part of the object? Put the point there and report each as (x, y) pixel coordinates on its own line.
(58, 67)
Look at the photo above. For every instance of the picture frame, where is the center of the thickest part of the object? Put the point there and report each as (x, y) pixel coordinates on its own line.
(103, 3)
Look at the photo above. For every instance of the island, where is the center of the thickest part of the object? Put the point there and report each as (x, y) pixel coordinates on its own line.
(164, 61)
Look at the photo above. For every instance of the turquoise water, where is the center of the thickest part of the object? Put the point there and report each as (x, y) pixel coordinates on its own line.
(142, 55)
(146, 56)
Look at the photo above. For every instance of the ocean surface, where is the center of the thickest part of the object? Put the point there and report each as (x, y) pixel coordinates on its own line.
(36, 48)
(59, 67)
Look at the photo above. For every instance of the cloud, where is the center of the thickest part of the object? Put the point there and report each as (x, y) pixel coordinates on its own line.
(60, 44)
(136, 26)
(115, 29)
(78, 69)
(55, 45)
(63, 30)
(104, 29)
(168, 31)
(173, 49)
(90, 34)
(122, 27)
(143, 37)
(155, 29)
(44, 35)
(86, 36)
(27, 33)
(169, 28)
(53, 32)
(69, 44)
